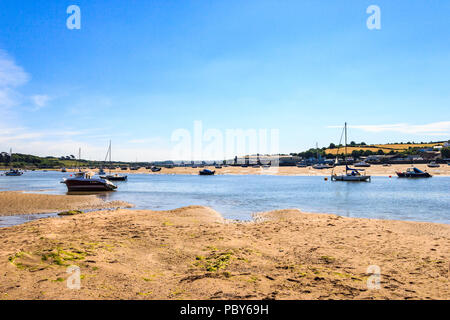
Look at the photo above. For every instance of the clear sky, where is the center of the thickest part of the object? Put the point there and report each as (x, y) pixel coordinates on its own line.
(138, 70)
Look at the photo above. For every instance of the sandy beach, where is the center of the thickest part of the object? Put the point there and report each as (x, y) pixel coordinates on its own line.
(193, 253)
(374, 170)
(16, 202)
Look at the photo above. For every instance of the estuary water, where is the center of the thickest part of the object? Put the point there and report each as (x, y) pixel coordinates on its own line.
(238, 196)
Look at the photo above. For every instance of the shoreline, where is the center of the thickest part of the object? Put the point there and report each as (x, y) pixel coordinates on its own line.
(374, 170)
(194, 253)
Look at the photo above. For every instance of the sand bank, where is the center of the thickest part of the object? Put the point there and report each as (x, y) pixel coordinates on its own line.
(193, 253)
(374, 170)
(13, 202)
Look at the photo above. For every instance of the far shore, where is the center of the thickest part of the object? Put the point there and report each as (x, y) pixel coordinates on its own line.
(374, 170)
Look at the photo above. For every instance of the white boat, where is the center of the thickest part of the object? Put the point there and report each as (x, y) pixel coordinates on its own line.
(362, 164)
(433, 165)
(351, 174)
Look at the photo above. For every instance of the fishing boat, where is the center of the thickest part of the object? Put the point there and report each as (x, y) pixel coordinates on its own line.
(206, 172)
(413, 172)
(433, 165)
(85, 181)
(351, 174)
(110, 176)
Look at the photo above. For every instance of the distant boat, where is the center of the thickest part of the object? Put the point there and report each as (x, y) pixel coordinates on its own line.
(111, 177)
(63, 170)
(12, 172)
(255, 166)
(101, 171)
(321, 166)
(86, 182)
(155, 169)
(114, 177)
(218, 166)
(433, 165)
(206, 172)
(362, 164)
(413, 172)
(301, 165)
(351, 174)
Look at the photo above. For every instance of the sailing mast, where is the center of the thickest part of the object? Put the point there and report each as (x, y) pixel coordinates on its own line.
(109, 150)
(345, 152)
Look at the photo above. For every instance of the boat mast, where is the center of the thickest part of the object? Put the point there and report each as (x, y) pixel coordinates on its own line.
(345, 152)
(109, 156)
(10, 158)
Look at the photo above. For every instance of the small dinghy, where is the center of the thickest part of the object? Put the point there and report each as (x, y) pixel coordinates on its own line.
(155, 169)
(413, 172)
(206, 172)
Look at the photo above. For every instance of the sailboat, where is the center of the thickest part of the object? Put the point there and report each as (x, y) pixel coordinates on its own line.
(12, 172)
(351, 174)
(116, 176)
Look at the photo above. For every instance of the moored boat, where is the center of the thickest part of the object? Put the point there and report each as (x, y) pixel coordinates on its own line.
(206, 172)
(433, 165)
(351, 174)
(87, 182)
(362, 164)
(413, 172)
(13, 173)
(110, 176)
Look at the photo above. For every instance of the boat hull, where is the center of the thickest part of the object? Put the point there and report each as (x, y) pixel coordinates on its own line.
(413, 175)
(350, 178)
(206, 172)
(91, 185)
(115, 178)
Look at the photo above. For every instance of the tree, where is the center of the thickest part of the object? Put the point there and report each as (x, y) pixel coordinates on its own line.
(445, 152)
(332, 146)
(352, 143)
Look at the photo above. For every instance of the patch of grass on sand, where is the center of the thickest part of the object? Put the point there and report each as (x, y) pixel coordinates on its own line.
(63, 257)
(26, 261)
(215, 261)
(70, 213)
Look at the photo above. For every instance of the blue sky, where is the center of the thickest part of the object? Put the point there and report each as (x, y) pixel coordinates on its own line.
(138, 70)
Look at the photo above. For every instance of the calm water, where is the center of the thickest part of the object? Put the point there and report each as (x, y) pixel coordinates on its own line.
(238, 196)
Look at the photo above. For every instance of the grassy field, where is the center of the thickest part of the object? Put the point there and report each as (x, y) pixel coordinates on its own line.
(385, 147)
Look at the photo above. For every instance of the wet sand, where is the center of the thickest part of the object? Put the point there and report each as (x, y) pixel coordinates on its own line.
(193, 253)
(16, 202)
(374, 170)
